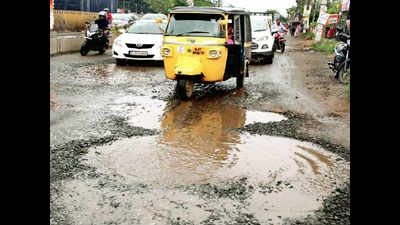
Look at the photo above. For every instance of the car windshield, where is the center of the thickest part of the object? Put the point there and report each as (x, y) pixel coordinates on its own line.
(154, 16)
(259, 25)
(203, 25)
(147, 28)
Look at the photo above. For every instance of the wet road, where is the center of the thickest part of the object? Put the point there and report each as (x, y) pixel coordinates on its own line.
(126, 150)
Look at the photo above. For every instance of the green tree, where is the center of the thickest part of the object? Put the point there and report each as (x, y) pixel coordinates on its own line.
(134, 5)
(335, 7)
(300, 8)
(164, 5)
(272, 11)
(203, 3)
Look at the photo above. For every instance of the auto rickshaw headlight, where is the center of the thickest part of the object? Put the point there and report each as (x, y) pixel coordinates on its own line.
(214, 53)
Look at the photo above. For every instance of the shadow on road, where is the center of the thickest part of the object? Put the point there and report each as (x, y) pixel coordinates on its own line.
(146, 63)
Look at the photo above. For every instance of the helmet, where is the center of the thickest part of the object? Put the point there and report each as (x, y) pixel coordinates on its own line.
(102, 13)
(106, 9)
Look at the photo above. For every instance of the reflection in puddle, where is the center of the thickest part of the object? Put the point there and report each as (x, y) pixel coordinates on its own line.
(198, 145)
(197, 121)
(263, 117)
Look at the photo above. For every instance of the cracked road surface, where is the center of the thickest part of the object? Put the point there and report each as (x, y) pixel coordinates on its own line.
(126, 150)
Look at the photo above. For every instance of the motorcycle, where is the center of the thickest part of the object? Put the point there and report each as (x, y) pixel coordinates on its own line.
(280, 41)
(95, 39)
(341, 61)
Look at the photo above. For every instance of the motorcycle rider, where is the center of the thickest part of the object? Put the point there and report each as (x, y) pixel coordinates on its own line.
(103, 24)
(102, 21)
(279, 27)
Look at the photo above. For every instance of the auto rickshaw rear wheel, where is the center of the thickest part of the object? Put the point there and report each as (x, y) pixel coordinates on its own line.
(185, 89)
(240, 78)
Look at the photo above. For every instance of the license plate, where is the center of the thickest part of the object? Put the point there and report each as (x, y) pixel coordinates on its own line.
(140, 53)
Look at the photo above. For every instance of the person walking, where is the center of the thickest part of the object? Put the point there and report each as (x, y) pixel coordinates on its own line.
(292, 29)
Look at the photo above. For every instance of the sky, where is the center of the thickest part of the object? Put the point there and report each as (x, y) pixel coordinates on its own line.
(263, 5)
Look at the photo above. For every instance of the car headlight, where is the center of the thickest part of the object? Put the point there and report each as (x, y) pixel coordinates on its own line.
(265, 38)
(118, 43)
(264, 47)
(165, 52)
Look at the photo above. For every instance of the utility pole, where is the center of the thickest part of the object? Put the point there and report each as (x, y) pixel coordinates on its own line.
(320, 27)
(306, 15)
(315, 4)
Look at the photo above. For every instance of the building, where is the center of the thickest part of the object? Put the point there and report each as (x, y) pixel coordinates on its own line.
(86, 5)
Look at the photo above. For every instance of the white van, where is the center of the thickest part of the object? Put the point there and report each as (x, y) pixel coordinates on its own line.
(263, 41)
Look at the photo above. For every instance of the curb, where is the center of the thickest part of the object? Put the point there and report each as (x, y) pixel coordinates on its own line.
(68, 43)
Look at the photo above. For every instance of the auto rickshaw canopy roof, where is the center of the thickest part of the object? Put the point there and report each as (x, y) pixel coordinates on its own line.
(204, 9)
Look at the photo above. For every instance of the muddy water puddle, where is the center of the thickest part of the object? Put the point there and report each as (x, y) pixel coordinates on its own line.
(163, 178)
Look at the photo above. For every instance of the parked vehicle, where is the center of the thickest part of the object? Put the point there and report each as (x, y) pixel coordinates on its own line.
(263, 41)
(141, 41)
(341, 61)
(279, 41)
(196, 48)
(95, 39)
(153, 16)
(123, 19)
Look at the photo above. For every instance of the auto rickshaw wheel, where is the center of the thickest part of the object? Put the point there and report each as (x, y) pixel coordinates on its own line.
(240, 78)
(185, 89)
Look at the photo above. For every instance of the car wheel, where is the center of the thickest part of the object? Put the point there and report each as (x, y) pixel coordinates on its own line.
(269, 60)
(120, 62)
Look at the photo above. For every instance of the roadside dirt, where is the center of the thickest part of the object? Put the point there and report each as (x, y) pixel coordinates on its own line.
(325, 89)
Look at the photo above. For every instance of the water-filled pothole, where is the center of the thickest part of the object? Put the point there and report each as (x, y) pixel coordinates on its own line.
(147, 112)
(149, 180)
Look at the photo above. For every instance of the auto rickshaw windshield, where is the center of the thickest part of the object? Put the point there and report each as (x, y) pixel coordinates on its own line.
(200, 25)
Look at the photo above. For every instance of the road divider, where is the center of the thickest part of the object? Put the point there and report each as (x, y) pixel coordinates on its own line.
(68, 43)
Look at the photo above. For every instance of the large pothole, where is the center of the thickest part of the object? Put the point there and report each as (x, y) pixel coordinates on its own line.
(200, 168)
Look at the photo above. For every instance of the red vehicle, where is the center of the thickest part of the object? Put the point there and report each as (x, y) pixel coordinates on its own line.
(280, 41)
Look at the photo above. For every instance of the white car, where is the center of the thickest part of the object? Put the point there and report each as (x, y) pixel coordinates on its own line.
(153, 16)
(263, 41)
(141, 41)
(123, 20)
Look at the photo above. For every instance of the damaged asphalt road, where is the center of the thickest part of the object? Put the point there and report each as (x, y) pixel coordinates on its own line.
(125, 150)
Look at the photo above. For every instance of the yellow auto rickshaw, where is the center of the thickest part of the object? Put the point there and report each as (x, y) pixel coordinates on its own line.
(206, 44)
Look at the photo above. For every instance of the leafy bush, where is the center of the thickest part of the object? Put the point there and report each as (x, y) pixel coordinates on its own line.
(325, 45)
(313, 24)
(115, 30)
(308, 35)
